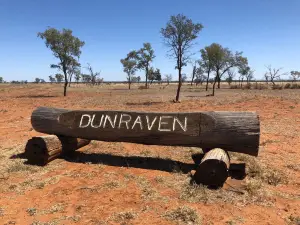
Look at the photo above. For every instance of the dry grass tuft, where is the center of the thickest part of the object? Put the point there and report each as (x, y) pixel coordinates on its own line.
(293, 220)
(113, 185)
(274, 177)
(253, 186)
(183, 215)
(57, 208)
(19, 166)
(295, 167)
(255, 170)
(31, 211)
(123, 216)
(195, 193)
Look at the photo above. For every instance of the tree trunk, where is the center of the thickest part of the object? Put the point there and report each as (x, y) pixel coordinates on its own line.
(41, 150)
(66, 80)
(272, 80)
(65, 88)
(213, 93)
(70, 80)
(213, 169)
(146, 77)
(207, 81)
(129, 82)
(179, 85)
(194, 72)
(219, 81)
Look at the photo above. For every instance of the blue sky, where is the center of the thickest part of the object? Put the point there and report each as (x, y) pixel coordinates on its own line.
(268, 32)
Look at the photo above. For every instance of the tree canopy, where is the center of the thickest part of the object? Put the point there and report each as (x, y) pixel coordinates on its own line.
(221, 60)
(179, 35)
(65, 47)
(143, 58)
(129, 67)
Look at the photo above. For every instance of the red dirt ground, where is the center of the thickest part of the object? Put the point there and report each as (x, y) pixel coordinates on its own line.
(96, 187)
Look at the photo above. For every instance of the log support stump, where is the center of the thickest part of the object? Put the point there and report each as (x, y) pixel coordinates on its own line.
(42, 150)
(213, 169)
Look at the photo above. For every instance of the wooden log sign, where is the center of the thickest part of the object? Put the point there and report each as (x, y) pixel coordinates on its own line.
(231, 131)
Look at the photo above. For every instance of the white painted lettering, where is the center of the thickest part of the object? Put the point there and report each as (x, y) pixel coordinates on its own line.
(151, 125)
(81, 121)
(112, 124)
(163, 123)
(124, 121)
(100, 123)
(139, 121)
(184, 128)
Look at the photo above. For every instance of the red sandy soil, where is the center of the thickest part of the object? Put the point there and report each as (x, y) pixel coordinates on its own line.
(94, 186)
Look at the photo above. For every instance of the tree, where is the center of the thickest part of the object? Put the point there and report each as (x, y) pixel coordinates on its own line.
(245, 72)
(129, 67)
(77, 76)
(143, 57)
(138, 79)
(93, 75)
(266, 77)
(199, 74)
(51, 79)
(154, 74)
(179, 35)
(59, 77)
(86, 78)
(294, 74)
(73, 70)
(168, 78)
(230, 76)
(183, 78)
(37, 80)
(200, 78)
(273, 74)
(99, 80)
(222, 60)
(1, 80)
(206, 62)
(194, 70)
(65, 47)
(249, 76)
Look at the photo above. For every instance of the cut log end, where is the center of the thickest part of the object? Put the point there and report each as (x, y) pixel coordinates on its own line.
(213, 169)
(42, 150)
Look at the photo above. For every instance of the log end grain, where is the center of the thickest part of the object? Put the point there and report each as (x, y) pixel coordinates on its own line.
(213, 169)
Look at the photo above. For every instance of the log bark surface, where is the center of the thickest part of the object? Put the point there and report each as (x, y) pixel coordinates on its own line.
(41, 150)
(231, 131)
(213, 169)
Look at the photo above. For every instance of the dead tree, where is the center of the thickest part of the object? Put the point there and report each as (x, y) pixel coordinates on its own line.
(92, 74)
(273, 74)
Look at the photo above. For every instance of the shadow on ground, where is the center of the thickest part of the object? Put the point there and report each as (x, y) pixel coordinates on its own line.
(37, 96)
(142, 103)
(150, 163)
(236, 170)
